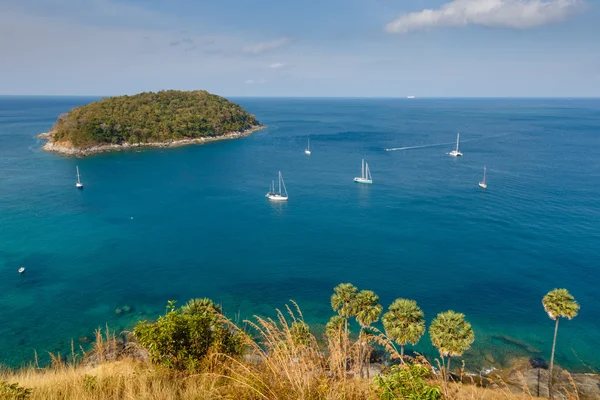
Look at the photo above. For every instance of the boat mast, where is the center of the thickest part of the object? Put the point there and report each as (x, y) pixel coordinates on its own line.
(279, 182)
(362, 169)
(78, 179)
(457, 138)
(283, 183)
(484, 171)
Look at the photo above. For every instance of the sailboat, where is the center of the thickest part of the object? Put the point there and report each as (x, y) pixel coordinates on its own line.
(279, 195)
(483, 184)
(456, 153)
(365, 174)
(307, 150)
(78, 185)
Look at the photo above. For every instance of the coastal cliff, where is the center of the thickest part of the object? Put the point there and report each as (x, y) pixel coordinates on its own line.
(163, 119)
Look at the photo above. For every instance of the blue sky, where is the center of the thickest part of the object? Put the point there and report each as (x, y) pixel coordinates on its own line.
(427, 48)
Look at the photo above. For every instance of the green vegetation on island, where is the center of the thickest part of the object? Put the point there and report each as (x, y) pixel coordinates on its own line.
(149, 119)
(195, 352)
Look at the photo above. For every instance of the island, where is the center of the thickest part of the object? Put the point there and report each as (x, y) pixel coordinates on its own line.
(151, 119)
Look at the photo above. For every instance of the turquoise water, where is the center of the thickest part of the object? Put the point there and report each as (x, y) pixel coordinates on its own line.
(193, 221)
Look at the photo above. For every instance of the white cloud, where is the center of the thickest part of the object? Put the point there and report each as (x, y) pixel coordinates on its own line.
(262, 47)
(255, 81)
(516, 14)
(277, 65)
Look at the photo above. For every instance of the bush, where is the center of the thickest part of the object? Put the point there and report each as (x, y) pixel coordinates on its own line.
(12, 391)
(181, 338)
(408, 381)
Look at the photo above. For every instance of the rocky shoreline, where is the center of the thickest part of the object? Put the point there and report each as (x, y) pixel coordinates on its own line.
(66, 149)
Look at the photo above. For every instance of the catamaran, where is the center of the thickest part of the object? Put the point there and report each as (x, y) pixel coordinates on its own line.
(483, 184)
(365, 174)
(307, 150)
(78, 185)
(279, 195)
(456, 153)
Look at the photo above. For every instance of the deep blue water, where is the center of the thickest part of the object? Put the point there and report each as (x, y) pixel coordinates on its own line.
(193, 221)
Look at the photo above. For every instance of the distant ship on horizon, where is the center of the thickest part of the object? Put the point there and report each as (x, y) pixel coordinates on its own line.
(411, 97)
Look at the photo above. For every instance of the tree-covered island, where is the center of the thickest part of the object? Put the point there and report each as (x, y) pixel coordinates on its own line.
(162, 119)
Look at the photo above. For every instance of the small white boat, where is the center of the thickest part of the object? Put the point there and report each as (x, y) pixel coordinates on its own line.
(456, 153)
(279, 195)
(483, 184)
(78, 185)
(365, 174)
(307, 150)
(21, 270)
(410, 97)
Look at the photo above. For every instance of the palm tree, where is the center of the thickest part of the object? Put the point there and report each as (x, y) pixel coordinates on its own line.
(451, 335)
(335, 335)
(367, 310)
(343, 301)
(335, 327)
(558, 303)
(404, 323)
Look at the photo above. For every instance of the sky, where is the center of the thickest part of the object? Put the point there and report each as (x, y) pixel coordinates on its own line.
(346, 48)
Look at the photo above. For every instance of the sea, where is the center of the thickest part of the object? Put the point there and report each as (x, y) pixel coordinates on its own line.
(172, 224)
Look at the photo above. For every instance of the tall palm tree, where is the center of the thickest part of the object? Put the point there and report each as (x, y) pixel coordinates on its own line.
(343, 301)
(335, 337)
(452, 335)
(404, 323)
(367, 310)
(558, 303)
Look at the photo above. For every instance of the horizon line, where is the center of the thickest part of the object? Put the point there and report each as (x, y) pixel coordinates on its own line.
(327, 97)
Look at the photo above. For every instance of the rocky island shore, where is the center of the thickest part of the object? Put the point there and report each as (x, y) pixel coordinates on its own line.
(68, 149)
(163, 119)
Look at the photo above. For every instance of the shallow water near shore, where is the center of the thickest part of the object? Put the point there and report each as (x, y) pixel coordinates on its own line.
(193, 221)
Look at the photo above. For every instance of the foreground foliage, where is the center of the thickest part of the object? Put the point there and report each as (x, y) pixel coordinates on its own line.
(408, 381)
(181, 338)
(197, 353)
(151, 117)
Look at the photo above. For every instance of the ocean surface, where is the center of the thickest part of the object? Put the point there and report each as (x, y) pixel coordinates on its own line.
(193, 221)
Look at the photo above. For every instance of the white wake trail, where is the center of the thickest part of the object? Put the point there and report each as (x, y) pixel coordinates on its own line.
(444, 144)
(419, 147)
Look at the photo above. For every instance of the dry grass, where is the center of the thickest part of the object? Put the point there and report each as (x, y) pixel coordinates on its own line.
(278, 366)
(131, 379)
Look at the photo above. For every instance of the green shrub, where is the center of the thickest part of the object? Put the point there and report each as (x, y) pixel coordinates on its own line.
(408, 381)
(12, 391)
(181, 338)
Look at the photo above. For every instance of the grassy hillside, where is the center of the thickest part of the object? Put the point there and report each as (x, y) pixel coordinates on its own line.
(196, 352)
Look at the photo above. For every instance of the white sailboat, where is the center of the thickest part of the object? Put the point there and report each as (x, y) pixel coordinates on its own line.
(279, 195)
(307, 150)
(78, 185)
(483, 184)
(456, 153)
(365, 174)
